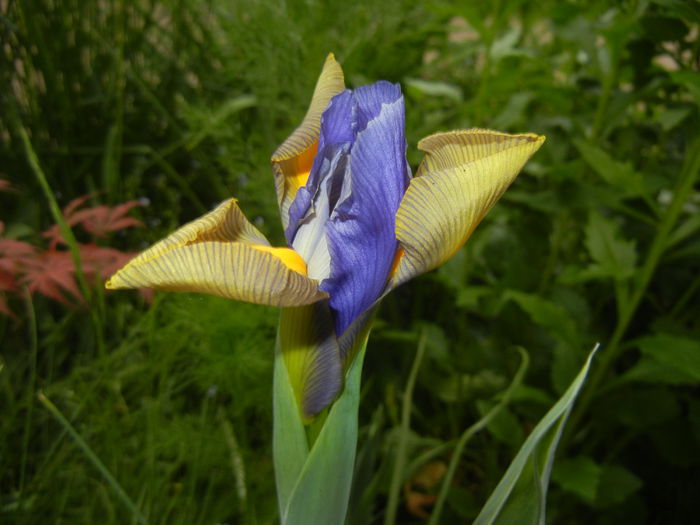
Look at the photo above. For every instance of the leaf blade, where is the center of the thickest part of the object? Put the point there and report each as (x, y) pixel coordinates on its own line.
(554, 420)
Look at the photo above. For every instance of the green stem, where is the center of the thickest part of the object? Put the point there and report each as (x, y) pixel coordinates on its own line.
(31, 316)
(65, 230)
(685, 298)
(397, 474)
(686, 180)
(488, 37)
(469, 432)
(604, 99)
(111, 481)
(237, 465)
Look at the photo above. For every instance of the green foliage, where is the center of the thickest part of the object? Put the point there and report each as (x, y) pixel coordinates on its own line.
(314, 479)
(181, 102)
(521, 495)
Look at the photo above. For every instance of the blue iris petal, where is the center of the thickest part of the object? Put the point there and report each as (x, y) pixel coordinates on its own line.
(350, 200)
(361, 231)
(337, 135)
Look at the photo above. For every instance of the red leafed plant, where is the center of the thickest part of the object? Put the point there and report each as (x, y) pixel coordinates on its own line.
(51, 272)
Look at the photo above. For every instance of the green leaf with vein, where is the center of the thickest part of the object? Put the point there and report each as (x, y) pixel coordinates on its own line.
(613, 256)
(520, 497)
(289, 445)
(666, 359)
(618, 174)
(561, 326)
(597, 484)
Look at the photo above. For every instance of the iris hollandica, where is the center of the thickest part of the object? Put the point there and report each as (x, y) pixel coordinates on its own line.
(357, 224)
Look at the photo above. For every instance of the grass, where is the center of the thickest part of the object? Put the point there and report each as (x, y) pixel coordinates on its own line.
(180, 103)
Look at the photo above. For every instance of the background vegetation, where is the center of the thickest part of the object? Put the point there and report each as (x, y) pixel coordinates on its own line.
(178, 104)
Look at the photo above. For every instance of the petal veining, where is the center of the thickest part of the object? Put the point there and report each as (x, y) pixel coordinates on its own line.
(361, 232)
(223, 254)
(292, 161)
(461, 177)
(313, 204)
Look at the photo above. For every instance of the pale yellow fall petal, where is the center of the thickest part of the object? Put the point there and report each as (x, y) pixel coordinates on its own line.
(461, 177)
(221, 253)
(292, 161)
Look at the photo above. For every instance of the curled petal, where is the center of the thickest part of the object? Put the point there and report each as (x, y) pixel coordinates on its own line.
(311, 355)
(292, 161)
(461, 177)
(223, 254)
(361, 238)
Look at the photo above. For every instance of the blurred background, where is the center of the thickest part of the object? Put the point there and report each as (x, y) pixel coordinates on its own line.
(137, 116)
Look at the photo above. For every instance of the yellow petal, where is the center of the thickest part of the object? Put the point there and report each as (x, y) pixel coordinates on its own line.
(462, 176)
(221, 253)
(292, 161)
(289, 257)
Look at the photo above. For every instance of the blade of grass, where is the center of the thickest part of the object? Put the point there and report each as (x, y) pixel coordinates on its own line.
(111, 481)
(476, 427)
(521, 495)
(398, 472)
(237, 465)
(31, 316)
(66, 232)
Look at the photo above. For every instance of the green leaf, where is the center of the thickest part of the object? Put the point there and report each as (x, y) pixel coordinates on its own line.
(648, 370)
(616, 485)
(506, 45)
(561, 326)
(469, 296)
(666, 359)
(639, 407)
(683, 9)
(690, 80)
(618, 174)
(289, 446)
(579, 475)
(613, 256)
(520, 496)
(485, 420)
(670, 118)
(514, 111)
(598, 485)
(434, 89)
(548, 315)
(565, 361)
(689, 226)
(679, 353)
(321, 492)
(504, 426)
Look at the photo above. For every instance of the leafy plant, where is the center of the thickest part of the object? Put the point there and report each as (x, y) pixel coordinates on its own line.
(51, 271)
(181, 102)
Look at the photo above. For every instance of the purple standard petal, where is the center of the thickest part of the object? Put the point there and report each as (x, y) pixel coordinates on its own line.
(335, 140)
(360, 233)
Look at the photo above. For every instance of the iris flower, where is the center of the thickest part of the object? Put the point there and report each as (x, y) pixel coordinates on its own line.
(357, 225)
